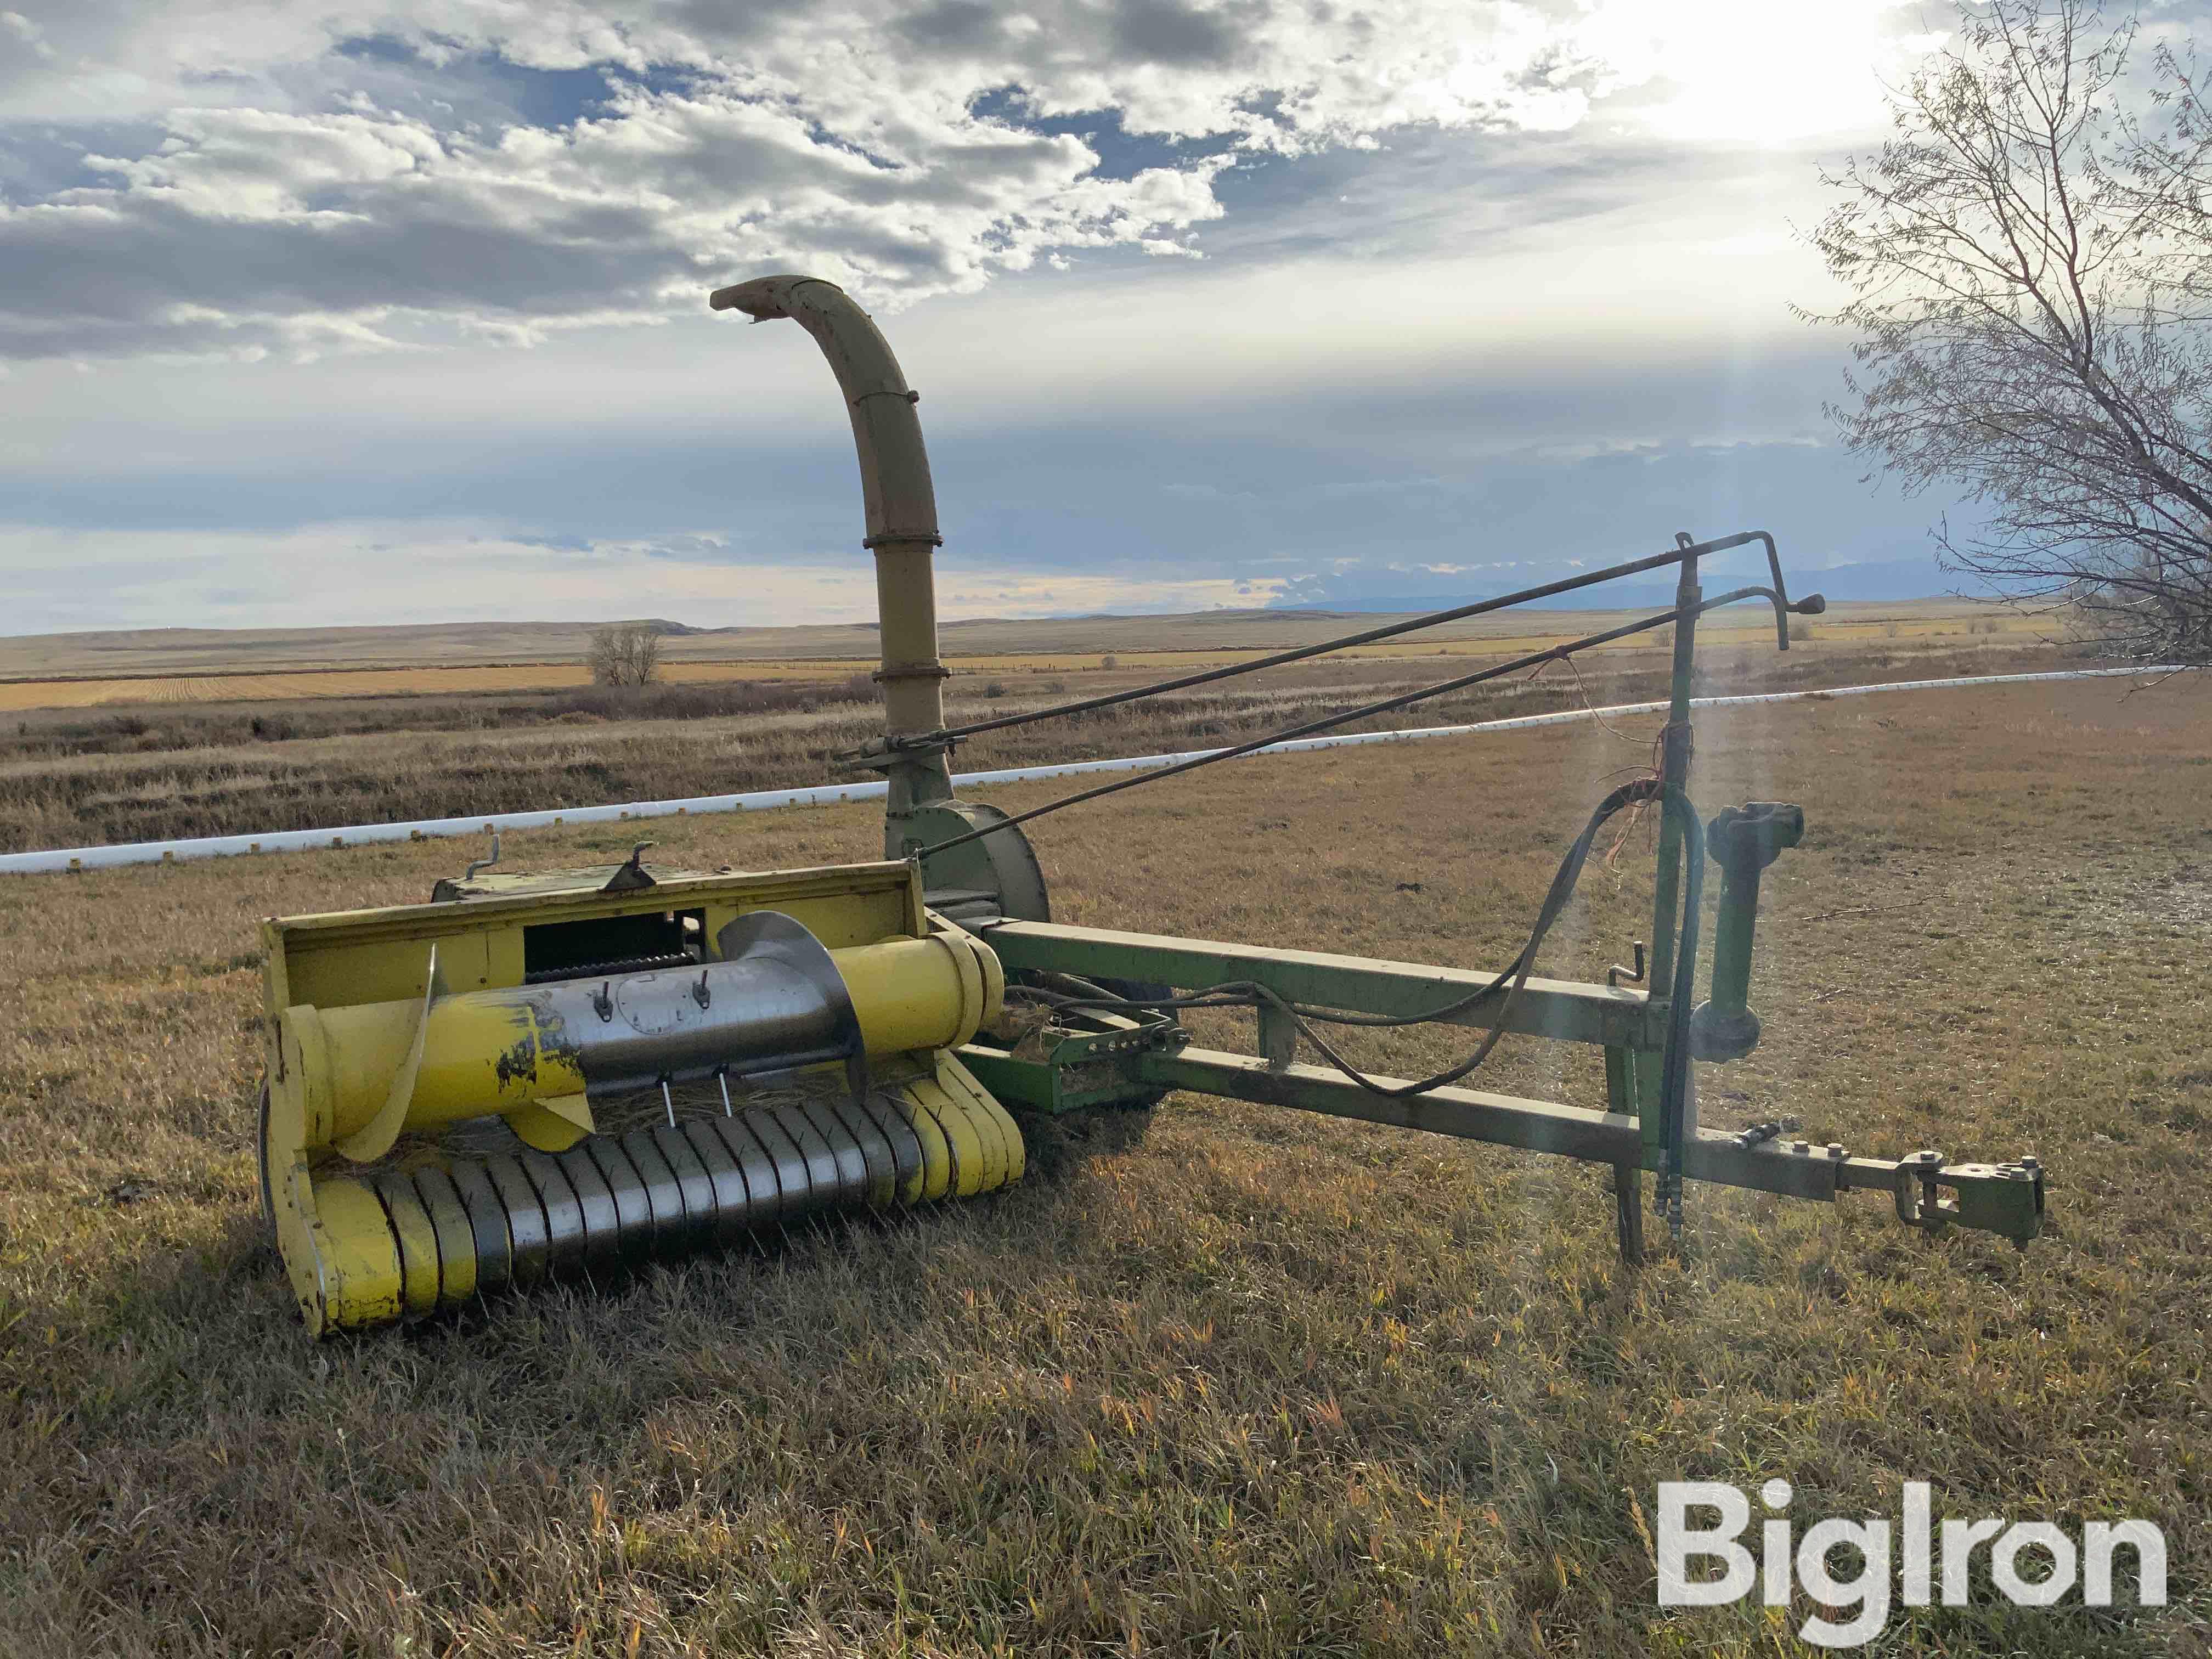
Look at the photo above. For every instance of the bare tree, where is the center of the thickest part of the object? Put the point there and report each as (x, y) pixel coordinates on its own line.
(2031, 263)
(625, 653)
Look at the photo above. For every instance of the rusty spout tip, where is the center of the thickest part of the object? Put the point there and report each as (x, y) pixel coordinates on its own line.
(763, 297)
(743, 296)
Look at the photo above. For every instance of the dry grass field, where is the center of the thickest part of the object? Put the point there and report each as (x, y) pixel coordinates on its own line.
(160, 666)
(1256, 1384)
(74, 777)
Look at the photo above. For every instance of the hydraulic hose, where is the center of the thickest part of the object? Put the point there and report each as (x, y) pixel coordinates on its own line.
(1674, 1072)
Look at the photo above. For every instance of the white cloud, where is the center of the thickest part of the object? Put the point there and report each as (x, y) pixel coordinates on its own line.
(363, 572)
(340, 175)
(1455, 229)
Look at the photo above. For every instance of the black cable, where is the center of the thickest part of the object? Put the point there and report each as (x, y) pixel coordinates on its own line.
(1685, 550)
(1389, 705)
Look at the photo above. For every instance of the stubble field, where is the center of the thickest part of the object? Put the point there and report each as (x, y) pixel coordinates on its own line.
(200, 664)
(74, 776)
(1258, 1383)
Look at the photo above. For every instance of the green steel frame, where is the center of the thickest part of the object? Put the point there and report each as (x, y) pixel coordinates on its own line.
(1129, 1060)
(1133, 1060)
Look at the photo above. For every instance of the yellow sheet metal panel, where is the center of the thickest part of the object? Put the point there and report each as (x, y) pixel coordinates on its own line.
(935, 1180)
(355, 1258)
(332, 971)
(290, 1193)
(503, 960)
(971, 1159)
(411, 1223)
(367, 1073)
(481, 1054)
(275, 980)
(352, 956)
(917, 993)
(487, 1053)
(960, 1084)
(553, 1126)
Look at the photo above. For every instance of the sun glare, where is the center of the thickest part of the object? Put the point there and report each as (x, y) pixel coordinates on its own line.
(1752, 70)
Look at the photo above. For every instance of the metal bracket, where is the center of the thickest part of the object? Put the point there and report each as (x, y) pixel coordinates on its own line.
(633, 875)
(2006, 1198)
(484, 864)
(1080, 1069)
(1919, 1202)
(884, 753)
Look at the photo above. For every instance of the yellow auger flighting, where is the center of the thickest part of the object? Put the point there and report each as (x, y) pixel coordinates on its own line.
(533, 1075)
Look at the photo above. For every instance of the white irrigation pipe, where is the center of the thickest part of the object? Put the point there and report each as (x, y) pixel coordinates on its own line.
(829, 794)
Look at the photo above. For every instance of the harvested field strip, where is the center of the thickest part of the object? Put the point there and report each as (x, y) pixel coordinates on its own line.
(372, 682)
(1481, 636)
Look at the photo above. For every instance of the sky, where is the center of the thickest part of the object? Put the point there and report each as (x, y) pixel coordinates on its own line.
(394, 311)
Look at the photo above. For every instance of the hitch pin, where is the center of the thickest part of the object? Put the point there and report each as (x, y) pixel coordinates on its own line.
(1767, 1131)
(723, 1078)
(1617, 975)
(669, 1104)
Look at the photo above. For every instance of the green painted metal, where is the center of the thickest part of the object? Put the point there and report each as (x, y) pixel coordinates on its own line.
(1627, 1177)
(1675, 752)
(2002, 1198)
(1743, 841)
(996, 875)
(1567, 1009)
(1077, 1069)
